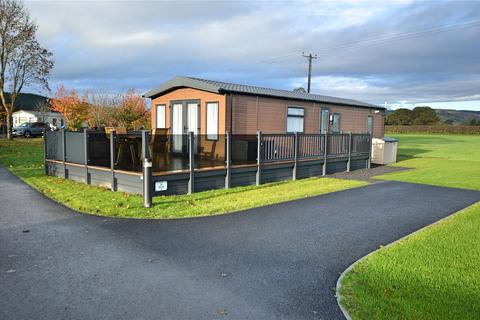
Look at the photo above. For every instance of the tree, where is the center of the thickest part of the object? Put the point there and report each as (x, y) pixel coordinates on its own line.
(399, 117)
(133, 112)
(23, 61)
(43, 108)
(424, 115)
(75, 109)
(103, 108)
(300, 89)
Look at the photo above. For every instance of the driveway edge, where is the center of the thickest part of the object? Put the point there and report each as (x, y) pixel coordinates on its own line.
(339, 281)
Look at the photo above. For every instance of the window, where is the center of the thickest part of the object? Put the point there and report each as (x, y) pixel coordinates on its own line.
(295, 119)
(212, 120)
(370, 124)
(336, 123)
(161, 115)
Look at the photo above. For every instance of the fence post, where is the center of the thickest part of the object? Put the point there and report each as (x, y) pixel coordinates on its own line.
(325, 153)
(113, 137)
(64, 154)
(45, 150)
(85, 149)
(295, 157)
(228, 159)
(147, 171)
(349, 162)
(258, 178)
(191, 162)
(369, 150)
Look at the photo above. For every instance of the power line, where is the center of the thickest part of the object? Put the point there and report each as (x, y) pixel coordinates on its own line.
(381, 40)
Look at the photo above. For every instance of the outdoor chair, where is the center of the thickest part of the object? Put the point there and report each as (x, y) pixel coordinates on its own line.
(159, 147)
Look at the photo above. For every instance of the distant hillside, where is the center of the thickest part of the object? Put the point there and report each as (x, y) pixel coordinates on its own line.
(457, 116)
(26, 101)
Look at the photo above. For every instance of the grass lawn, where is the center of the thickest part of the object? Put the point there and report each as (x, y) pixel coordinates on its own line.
(24, 157)
(435, 273)
(443, 160)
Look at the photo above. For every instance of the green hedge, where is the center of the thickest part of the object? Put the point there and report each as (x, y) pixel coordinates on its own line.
(434, 129)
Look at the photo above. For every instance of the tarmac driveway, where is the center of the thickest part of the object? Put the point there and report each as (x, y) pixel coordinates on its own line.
(275, 262)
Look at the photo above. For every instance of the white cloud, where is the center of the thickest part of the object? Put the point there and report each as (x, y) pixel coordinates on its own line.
(124, 44)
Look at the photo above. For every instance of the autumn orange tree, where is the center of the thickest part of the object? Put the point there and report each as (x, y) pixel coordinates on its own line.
(75, 109)
(132, 112)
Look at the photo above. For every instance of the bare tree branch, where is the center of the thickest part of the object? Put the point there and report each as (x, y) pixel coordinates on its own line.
(23, 61)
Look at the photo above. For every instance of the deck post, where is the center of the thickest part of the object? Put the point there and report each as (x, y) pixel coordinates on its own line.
(349, 162)
(325, 153)
(191, 162)
(370, 136)
(258, 178)
(45, 149)
(295, 157)
(85, 150)
(64, 153)
(228, 159)
(113, 137)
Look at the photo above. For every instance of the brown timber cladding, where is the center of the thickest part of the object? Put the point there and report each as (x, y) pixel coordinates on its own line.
(250, 114)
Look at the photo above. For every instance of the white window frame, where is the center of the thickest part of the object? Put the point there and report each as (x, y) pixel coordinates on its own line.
(158, 107)
(212, 120)
(296, 116)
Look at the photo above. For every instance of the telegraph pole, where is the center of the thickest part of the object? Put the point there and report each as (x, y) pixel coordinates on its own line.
(310, 56)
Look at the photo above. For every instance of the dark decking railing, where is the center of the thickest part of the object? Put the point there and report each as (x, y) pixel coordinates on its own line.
(172, 154)
(281, 147)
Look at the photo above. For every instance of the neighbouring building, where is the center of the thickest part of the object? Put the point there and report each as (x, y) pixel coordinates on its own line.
(53, 118)
(209, 107)
(26, 109)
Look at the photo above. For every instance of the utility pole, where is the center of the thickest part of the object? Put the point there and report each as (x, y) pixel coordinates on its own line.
(310, 56)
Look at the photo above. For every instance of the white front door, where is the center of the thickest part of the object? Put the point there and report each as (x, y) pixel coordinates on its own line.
(177, 127)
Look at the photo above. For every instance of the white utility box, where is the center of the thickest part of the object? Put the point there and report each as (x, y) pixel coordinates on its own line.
(384, 151)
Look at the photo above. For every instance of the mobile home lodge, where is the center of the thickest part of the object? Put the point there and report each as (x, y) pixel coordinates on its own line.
(211, 135)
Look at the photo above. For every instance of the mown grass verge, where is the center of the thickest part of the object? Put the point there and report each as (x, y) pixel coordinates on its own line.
(433, 274)
(24, 157)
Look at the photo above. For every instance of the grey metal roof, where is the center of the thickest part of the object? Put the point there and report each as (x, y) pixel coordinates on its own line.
(226, 87)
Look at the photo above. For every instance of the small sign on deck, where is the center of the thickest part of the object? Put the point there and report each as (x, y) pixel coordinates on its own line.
(161, 185)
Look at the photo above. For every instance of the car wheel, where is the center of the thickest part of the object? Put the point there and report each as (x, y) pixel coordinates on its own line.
(27, 134)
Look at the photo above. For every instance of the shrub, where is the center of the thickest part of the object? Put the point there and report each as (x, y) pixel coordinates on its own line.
(445, 129)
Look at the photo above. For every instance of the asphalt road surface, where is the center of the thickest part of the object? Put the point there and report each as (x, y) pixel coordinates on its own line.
(276, 262)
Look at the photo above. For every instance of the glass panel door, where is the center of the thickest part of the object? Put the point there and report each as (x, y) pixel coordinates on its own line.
(193, 122)
(177, 127)
(193, 118)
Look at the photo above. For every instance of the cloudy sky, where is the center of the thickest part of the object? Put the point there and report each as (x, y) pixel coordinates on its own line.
(403, 52)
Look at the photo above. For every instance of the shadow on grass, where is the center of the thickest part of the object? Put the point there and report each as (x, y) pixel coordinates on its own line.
(410, 153)
(212, 194)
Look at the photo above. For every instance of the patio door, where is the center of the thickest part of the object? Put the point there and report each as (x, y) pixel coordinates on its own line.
(193, 122)
(178, 127)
